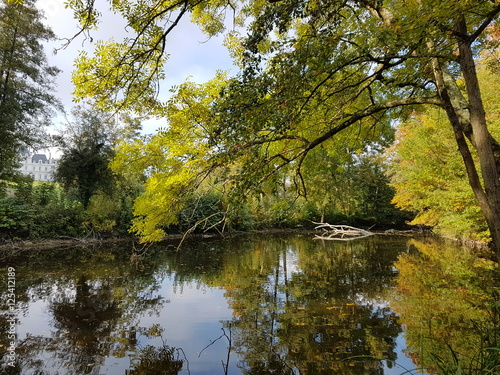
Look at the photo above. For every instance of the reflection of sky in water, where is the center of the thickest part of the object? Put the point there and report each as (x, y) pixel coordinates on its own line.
(191, 321)
(34, 321)
(403, 364)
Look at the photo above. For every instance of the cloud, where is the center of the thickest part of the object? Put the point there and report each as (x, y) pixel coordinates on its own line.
(191, 54)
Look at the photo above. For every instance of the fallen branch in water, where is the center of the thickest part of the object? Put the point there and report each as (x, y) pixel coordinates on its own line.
(341, 232)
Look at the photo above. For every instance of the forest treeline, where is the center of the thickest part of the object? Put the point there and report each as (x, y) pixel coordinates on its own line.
(415, 178)
(32, 209)
(325, 122)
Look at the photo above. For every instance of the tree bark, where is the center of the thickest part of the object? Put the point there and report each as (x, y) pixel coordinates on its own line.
(468, 119)
(484, 143)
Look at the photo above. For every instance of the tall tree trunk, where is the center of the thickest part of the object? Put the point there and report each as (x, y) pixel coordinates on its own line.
(484, 144)
(468, 120)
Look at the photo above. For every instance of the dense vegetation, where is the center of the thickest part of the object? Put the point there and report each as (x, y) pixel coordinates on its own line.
(30, 209)
(428, 172)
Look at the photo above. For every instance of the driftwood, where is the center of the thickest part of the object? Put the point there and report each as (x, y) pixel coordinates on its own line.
(341, 232)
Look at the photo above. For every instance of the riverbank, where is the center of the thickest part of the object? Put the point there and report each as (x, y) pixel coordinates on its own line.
(177, 239)
(40, 244)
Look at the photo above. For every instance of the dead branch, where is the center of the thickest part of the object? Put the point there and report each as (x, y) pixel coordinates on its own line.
(341, 232)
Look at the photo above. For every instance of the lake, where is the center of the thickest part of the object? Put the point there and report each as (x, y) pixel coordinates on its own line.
(248, 304)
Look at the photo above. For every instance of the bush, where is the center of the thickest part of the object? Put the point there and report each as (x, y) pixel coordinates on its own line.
(16, 217)
(59, 218)
(37, 210)
(240, 218)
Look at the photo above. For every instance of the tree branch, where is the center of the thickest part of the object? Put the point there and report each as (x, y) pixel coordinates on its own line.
(488, 20)
(348, 121)
(368, 111)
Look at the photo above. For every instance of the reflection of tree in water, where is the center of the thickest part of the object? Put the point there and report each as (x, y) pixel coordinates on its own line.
(92, 316)
(298, 306)
(152, 360)
(347, 338)
(85, 323)
(446, 297)
(90, 311)
(331, 312)
(317, 319)
(163, 360)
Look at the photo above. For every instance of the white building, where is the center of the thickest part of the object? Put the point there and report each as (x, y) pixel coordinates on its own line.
(38, 166)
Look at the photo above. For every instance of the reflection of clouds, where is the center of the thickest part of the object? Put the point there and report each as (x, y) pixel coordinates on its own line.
(191, 321)
(378, 302)
(34, 320)
(190, 306)
(292, 261)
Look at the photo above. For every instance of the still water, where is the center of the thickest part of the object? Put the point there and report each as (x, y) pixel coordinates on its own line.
(253, 304)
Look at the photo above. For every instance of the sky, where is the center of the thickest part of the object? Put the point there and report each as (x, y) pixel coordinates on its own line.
(192, 55)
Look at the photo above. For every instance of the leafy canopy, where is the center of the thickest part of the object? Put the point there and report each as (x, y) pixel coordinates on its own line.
(87, 146)
(26, 81)
(311, 71)
(177, 159)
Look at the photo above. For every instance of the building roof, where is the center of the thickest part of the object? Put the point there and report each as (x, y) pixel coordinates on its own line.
(39, 157)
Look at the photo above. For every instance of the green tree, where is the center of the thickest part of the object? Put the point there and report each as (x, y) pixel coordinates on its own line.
(87, 152)
(26, 81)
(372, 192)
(176, 159)
(430, 179)
(428, 174)
(311, 70)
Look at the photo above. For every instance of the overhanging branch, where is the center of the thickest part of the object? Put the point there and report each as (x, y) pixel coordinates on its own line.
(369, 111)
(348, 120)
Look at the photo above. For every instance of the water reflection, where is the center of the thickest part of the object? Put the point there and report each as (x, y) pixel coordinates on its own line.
(78, 307)
(153, 361)
(246, 305)
(448, 299)
(311, 307)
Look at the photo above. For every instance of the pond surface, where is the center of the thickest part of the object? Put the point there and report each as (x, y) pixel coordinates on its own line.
(253, 304)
